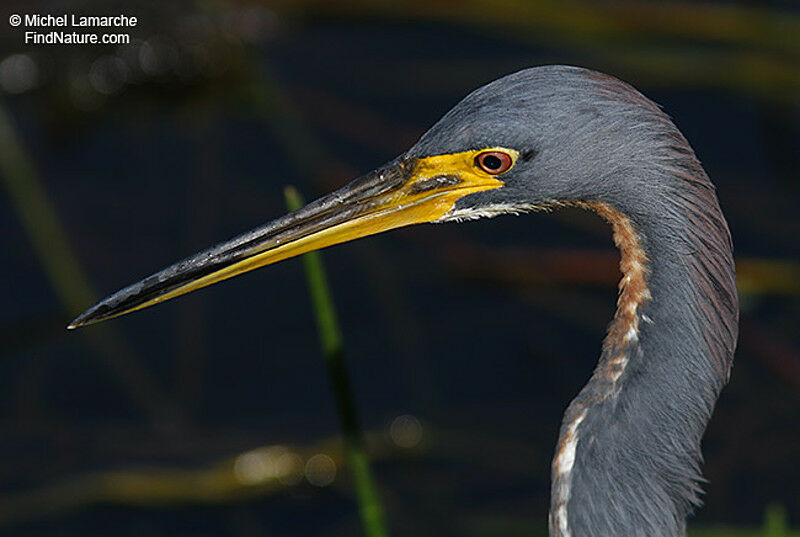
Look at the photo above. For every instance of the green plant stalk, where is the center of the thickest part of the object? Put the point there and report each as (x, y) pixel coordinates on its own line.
(39, 221)
(369, 505)
(28, 196)
(775, 523)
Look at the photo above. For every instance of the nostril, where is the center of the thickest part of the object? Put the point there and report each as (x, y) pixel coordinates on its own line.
(437, 181)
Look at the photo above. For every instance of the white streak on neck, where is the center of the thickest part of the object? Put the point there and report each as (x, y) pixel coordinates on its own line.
(563, 464)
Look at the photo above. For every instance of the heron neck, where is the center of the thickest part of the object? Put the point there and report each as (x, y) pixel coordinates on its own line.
(628, 456)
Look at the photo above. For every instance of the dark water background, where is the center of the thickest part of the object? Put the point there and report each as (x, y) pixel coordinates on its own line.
(482, 331)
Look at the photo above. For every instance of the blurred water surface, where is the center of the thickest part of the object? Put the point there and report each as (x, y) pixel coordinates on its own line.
(465, 342)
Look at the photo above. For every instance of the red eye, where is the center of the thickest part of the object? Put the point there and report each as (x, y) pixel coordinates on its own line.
(494, 162)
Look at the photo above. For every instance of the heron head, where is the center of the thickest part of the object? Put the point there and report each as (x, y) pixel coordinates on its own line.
(578, 135)
(535, 138)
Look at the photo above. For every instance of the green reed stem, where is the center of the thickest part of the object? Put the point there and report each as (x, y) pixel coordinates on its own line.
(775, 521)
(39, 221)
(29, 197)
(369, 505)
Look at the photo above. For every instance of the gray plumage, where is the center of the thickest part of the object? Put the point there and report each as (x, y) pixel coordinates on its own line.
(628, 457)
(587, 137)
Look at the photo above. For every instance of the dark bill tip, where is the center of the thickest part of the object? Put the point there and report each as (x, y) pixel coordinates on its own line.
(342, 205)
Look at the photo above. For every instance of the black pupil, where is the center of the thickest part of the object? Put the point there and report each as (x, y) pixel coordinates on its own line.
(492, 162)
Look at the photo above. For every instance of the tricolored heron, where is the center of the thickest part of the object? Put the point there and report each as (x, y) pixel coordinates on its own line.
(627, 462)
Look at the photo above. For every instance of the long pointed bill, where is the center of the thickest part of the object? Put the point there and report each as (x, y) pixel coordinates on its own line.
(402, 193)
